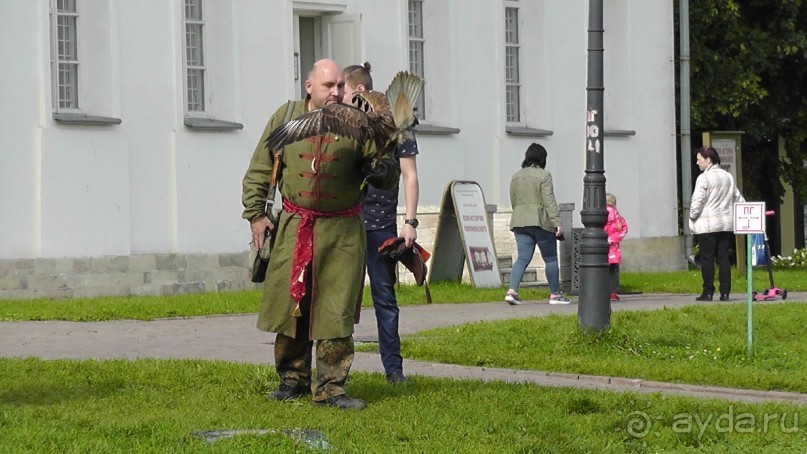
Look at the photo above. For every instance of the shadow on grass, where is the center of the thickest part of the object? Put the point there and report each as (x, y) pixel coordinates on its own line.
(38, 393)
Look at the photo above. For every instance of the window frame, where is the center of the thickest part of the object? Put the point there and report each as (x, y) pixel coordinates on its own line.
(512, 43)
(213, 28)
(71, 12)
(93, 95)
(194, 104)
(419, 42)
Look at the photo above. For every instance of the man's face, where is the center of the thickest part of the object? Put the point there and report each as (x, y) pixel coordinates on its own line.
(325, 86)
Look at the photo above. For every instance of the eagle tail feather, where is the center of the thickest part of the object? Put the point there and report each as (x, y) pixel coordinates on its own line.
(402, 93)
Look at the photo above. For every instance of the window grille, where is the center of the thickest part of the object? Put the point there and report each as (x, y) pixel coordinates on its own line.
(416, 44)
(66, 54)
(194, 56)
(512, 81)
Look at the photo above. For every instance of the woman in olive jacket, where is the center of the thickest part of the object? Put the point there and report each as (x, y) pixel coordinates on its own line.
(535, 221)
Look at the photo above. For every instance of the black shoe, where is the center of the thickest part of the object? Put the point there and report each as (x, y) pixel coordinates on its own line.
(342, 402)
(286, 392)
(705, 297)
(397, 378)
(724, 297)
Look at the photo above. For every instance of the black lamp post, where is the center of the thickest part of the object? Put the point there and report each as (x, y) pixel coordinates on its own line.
(594, 309)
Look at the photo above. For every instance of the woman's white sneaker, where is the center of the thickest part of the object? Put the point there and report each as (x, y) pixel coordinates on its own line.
(511, 298)
(558, 298)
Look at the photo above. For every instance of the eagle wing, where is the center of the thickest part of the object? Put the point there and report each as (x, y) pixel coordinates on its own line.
(338, 119)
(378, 111)
(403, 92)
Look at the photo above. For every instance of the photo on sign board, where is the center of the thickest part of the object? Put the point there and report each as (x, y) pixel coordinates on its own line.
(481, 258)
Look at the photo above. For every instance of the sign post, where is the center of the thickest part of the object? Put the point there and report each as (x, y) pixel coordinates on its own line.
(749, 217)
(463, 234)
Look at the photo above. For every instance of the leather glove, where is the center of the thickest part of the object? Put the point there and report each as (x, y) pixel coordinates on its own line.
(383, 174)
(413, 257)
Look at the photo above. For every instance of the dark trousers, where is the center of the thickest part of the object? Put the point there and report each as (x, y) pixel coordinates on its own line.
(293, 358)
(715, 246)
(613, 277)
(381, 270)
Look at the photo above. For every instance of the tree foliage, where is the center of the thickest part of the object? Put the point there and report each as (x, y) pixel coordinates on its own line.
(749, 73)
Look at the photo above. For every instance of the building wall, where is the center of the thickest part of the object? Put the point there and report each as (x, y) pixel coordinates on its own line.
(152, 186)
(171, 274)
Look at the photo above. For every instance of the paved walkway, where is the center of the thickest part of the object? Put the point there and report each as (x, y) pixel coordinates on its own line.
(235, 338)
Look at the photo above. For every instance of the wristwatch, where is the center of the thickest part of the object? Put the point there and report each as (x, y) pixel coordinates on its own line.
(413, 222)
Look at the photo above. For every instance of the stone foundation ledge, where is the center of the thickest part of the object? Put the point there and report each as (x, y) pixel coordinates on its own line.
(172, 274)
(145, 274)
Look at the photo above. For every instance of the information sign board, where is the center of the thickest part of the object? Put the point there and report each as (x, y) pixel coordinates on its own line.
(749, 217)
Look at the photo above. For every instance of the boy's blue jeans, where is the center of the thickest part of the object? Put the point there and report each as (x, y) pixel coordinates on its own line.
(381, 270)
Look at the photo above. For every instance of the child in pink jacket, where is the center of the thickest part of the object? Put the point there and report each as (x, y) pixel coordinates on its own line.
(616, 228)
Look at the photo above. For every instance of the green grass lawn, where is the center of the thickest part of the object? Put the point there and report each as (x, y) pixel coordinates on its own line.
(791, 279)
(151, 307)
(161, 406)
(151, 406)
(695, 344)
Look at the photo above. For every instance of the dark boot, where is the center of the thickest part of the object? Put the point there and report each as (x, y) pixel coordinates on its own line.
(724, 297)
(397, 378)
(342, 402)
(705, 297)
(286, 392)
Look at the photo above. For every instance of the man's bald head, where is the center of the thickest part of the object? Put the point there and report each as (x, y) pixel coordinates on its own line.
(325, 84)
(323, 66)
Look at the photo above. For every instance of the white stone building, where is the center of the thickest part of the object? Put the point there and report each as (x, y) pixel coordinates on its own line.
(127, 125)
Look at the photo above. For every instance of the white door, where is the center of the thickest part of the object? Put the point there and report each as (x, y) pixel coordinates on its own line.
(341, 35)
(324, 35)
(307, 49)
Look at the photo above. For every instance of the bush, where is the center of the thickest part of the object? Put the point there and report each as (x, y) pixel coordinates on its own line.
(797, 259)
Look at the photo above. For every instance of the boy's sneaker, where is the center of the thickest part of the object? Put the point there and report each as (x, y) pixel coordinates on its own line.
(558, 298)
(512, 298)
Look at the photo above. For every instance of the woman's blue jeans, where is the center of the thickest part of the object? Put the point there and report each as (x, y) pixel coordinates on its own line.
(526, 240)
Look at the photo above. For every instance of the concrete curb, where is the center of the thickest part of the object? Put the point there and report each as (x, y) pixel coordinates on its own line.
(617, 384)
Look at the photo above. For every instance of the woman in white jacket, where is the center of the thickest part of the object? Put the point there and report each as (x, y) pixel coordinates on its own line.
(711, 219)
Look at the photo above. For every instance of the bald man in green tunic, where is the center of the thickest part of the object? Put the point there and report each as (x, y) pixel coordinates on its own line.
(314, 282)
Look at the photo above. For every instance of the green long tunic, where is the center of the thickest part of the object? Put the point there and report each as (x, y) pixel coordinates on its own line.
(322, 174)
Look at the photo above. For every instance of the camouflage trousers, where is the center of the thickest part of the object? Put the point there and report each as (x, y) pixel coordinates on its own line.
(293, 360)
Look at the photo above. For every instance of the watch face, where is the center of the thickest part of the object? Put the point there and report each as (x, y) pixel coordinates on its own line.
(413, 222)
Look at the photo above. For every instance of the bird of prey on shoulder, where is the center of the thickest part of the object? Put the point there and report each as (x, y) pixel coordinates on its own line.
(387, 118)
(368, 118)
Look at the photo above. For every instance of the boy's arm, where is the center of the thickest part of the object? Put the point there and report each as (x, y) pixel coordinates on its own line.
(409, 173)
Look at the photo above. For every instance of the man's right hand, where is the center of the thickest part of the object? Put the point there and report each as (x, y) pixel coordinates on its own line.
(259, 226)
(409, 234)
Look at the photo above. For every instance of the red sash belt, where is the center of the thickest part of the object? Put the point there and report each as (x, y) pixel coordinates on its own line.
(304, 247)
